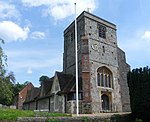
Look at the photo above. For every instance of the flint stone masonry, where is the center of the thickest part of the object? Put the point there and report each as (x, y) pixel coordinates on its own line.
(31, 119)
(95, 52)
(124, 68)
(11, 106)
(106, 118)
(43, 104)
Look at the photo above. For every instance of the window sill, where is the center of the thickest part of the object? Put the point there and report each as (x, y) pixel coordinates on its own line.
(105, 88)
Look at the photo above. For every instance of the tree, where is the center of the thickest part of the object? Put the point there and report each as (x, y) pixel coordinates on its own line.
(18, 87)
(6, 80)
(139, 89)
(3, 60)
(43, 78)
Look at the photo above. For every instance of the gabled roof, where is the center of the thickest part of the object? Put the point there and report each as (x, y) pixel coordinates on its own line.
(47, 85)
(64, 79)
(32, 94)
(67, 82)
(27, 87)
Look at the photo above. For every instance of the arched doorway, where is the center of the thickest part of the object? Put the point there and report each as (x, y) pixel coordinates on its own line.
(105, 102)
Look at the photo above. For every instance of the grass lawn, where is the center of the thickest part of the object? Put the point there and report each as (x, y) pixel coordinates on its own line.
(12, 114)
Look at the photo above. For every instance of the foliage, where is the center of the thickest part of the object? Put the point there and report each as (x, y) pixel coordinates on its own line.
(52, 120)
(3, 60)
(12, 114)
(6, 80)
(43, 78)
(6, 93)
(139, 88)
(85, 119)
(122, 118)
(138, 120)
(18, 87)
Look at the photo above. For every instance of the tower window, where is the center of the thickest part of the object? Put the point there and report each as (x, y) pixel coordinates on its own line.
(104, 77)
(98, 79)
(103, 49)
(102, 31)
(71, 36)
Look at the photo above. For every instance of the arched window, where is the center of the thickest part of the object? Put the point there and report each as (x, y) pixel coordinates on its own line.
(104, 77)
(98, 79)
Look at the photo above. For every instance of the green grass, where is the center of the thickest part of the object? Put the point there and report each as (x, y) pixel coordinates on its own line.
(12, 114)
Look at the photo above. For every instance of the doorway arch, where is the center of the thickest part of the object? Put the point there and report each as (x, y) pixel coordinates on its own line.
(105, 102)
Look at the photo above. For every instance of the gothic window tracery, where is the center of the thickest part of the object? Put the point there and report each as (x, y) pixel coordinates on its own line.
(104, 77)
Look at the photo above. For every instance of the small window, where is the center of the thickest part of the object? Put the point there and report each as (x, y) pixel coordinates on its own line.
(102, 31)
(103, 49)
(98, 79)
(79, 96)
(72, 96)
(71, 36)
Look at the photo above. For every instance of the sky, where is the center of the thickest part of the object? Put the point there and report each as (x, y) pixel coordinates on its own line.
(33, 32)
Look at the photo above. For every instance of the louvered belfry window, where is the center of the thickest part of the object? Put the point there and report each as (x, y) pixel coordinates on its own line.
(102, 31)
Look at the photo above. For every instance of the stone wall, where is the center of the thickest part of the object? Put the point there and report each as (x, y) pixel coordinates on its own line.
(52, 104)
(30, 105)
(33, 105)
(47, 104)
(5, 106)
(43, 104)
(103, 52)
(124, 90)
(69, 47)
(71, 107)
(113, 118)
(26, 106)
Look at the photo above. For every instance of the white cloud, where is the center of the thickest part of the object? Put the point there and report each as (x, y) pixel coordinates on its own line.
(29, 71)
(8, 11)
(10, 31)
(146, 35)
(61, 9)
(36, 3)
(38, 35)
(33, 59)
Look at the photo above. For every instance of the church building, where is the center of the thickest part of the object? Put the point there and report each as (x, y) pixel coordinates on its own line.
(102, 71)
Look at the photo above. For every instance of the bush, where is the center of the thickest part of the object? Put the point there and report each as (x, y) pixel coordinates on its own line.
(139, 89)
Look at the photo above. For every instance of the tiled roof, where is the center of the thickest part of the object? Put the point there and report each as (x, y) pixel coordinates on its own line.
(63, 79)
(67, 82)
(32, 94)
(48, 85)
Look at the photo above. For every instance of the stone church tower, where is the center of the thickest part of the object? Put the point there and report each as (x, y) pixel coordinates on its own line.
(102, 64)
